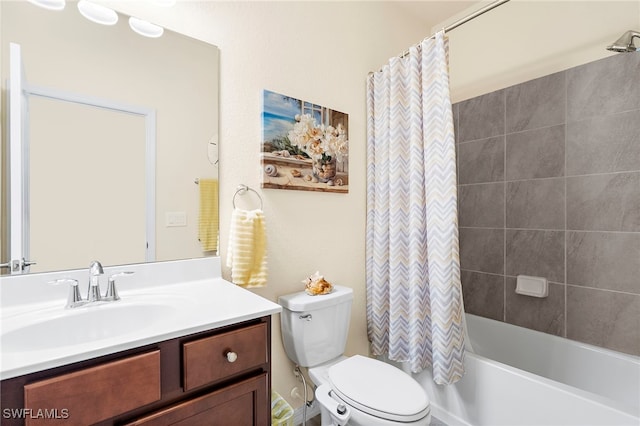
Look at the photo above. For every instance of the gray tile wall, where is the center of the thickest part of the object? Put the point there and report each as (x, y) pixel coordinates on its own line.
(549, 185)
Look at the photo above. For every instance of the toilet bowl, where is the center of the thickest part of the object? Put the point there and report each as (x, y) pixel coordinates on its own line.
(356, 390)
(376, 393)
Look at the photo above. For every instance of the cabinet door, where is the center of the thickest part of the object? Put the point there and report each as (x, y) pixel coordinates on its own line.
(242, 404)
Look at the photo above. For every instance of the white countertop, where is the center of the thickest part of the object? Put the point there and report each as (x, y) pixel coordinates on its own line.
(160, 312)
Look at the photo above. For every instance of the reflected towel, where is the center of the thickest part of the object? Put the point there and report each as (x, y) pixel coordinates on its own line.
(247, 251)
(208, 219)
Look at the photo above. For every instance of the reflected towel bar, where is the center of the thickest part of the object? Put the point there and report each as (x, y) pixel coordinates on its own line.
(241, 189)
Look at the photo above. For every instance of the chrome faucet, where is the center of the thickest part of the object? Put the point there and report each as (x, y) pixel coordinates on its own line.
(95, 270)
(74, 299)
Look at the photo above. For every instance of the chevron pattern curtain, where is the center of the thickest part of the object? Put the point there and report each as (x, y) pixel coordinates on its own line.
(414, 297)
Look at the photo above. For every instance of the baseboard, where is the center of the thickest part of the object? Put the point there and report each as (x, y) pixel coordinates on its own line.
(312, 411)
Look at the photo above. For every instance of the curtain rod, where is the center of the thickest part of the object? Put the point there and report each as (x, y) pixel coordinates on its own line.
(464, 20)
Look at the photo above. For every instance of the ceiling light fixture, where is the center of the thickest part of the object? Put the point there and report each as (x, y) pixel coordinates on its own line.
(145, 28)
(49, 4)
(97, 13)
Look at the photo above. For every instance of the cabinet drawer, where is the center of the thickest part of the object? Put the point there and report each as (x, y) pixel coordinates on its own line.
(242, 404)
(205, 360)
(97, 393)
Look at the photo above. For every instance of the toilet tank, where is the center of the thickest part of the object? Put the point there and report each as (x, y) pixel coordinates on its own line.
(315, 328)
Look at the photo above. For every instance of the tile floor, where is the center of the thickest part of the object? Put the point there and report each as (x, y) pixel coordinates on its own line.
(314, 421)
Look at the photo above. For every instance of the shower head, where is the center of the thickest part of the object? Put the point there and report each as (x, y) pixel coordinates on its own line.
(625, 43)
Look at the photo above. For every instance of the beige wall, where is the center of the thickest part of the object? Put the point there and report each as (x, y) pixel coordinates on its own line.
(522, 40)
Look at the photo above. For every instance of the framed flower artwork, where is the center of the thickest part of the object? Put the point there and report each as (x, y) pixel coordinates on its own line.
(305, 146)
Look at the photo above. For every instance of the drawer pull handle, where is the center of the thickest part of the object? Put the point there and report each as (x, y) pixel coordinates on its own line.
(231, 356)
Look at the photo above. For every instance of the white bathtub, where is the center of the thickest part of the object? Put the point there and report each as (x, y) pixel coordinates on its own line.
(522, 377)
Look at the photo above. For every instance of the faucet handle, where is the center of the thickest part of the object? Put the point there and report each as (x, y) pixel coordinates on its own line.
(73, 298)
(112, 293)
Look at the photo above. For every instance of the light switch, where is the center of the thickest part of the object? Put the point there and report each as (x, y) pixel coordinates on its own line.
(176, 219)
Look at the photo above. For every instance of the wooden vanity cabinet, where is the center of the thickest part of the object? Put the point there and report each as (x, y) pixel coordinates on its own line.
(217, 377)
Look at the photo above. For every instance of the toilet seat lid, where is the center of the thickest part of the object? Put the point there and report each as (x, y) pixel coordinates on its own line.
(379, 389)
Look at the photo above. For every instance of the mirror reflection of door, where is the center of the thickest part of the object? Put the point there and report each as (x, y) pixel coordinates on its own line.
(67, 150)
(14, 244)
(91, 175)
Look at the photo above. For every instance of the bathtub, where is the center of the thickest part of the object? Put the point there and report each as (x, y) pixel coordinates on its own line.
(522, 377)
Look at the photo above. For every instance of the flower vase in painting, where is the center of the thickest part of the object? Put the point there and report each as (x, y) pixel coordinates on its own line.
(324, 169)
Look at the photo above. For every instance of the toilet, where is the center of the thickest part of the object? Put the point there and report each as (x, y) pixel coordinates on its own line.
(356, 390)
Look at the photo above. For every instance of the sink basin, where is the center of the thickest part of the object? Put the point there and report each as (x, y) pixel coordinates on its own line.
(81, 325)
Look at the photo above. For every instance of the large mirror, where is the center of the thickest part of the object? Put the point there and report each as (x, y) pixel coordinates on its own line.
(119, 138)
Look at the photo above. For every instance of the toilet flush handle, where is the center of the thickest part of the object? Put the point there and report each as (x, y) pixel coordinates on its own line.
(306, 317)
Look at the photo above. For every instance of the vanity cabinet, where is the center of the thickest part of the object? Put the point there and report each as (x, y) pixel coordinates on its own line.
(220, 376)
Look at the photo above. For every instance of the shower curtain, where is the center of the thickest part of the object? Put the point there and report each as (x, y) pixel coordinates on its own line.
(414, 297)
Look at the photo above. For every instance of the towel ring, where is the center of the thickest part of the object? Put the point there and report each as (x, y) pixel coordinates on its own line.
(242, 189)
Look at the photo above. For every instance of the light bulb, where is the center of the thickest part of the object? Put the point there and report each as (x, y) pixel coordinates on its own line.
(145, 28)
(49, 4)
(97, 13)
